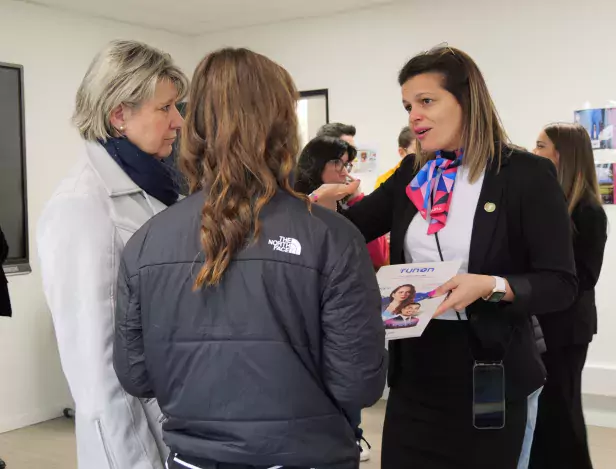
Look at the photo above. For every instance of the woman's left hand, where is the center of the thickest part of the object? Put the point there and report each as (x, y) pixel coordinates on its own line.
(328, 194)
(463, 290)
(358, 191)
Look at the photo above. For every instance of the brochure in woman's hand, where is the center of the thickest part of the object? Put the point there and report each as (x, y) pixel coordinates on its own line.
(408, 295)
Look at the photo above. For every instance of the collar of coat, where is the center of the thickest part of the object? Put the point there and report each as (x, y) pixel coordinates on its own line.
(114, 179)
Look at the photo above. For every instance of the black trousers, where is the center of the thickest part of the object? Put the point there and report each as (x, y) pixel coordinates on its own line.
(560, 436)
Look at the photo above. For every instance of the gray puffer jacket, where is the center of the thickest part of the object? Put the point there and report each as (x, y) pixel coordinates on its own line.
(538, 333)
(261, 369)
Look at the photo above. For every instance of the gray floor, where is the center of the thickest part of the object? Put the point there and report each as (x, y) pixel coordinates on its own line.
(51, 445)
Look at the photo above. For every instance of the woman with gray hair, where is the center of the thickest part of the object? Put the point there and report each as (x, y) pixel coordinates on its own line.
(126, 113)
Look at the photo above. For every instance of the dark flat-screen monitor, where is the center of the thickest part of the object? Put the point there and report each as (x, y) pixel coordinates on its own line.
(13, 202)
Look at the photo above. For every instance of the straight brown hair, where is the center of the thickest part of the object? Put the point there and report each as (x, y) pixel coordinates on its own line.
(576, 164)
(239, 144)
(483, 135)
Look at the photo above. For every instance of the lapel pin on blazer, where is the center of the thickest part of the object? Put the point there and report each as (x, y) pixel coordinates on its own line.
(489, 207)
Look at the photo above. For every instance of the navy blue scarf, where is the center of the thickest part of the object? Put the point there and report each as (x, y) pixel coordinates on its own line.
(153, 176)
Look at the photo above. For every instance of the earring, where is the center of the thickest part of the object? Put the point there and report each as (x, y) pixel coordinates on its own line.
(122, 128)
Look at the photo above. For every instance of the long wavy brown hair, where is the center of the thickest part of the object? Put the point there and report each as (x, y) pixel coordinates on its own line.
(576, 166)
(239, 145)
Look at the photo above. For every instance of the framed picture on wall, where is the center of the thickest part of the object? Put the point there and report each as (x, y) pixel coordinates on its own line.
(605, 177)
(365, 161)
(599, 123)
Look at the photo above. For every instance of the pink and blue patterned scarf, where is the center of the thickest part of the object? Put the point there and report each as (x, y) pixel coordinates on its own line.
(432, 189)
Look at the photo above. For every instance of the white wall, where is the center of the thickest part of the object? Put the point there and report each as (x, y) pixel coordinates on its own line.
(317, 114)
(542, 60)
(55, 50)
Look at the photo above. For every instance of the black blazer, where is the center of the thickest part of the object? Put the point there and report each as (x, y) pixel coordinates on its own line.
(527, 240)
(578, 324)
(5, 303)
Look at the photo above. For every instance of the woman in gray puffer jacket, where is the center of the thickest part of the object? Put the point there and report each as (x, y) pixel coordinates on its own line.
(252, 316)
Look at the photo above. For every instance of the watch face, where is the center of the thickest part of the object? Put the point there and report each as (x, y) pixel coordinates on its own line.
(496, 296)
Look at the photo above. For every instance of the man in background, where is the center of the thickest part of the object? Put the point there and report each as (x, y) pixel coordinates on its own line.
(406, 146)
(337, 130)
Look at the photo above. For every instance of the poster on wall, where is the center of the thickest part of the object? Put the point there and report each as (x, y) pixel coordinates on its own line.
(365, 161)
(599, 123)
(605, 177)
(365, 166)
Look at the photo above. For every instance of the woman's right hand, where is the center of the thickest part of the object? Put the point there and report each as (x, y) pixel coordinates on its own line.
(328, 194)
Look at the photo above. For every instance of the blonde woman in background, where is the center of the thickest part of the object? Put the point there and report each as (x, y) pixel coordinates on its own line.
(126, 113)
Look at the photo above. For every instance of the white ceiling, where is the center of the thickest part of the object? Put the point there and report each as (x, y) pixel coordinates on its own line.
(195, 17)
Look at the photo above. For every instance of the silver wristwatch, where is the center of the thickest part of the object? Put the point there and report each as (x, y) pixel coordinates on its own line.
(498, 292)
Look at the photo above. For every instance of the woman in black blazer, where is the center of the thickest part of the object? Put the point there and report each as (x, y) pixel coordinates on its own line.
(560, 438)
(507, 220)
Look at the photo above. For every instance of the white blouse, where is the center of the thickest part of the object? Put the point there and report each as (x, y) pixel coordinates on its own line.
(454, 238)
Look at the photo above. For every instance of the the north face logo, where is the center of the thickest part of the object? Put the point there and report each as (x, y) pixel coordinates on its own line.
(285, 244)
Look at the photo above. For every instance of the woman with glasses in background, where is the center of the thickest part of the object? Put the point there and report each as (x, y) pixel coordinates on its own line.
(324, 160)
(560, 437)
(329, 160)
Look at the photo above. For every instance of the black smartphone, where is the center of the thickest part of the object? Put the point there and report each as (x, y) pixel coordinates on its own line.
(488, 396)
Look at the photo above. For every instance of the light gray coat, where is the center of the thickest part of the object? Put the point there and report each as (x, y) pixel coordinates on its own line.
(81, 236)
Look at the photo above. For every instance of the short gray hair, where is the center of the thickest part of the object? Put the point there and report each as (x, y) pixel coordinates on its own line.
(124, 72)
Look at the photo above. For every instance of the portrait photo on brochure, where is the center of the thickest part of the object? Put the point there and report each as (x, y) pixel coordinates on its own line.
(408, 299)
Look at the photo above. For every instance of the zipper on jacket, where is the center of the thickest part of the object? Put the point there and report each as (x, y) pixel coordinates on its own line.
(101, 434)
